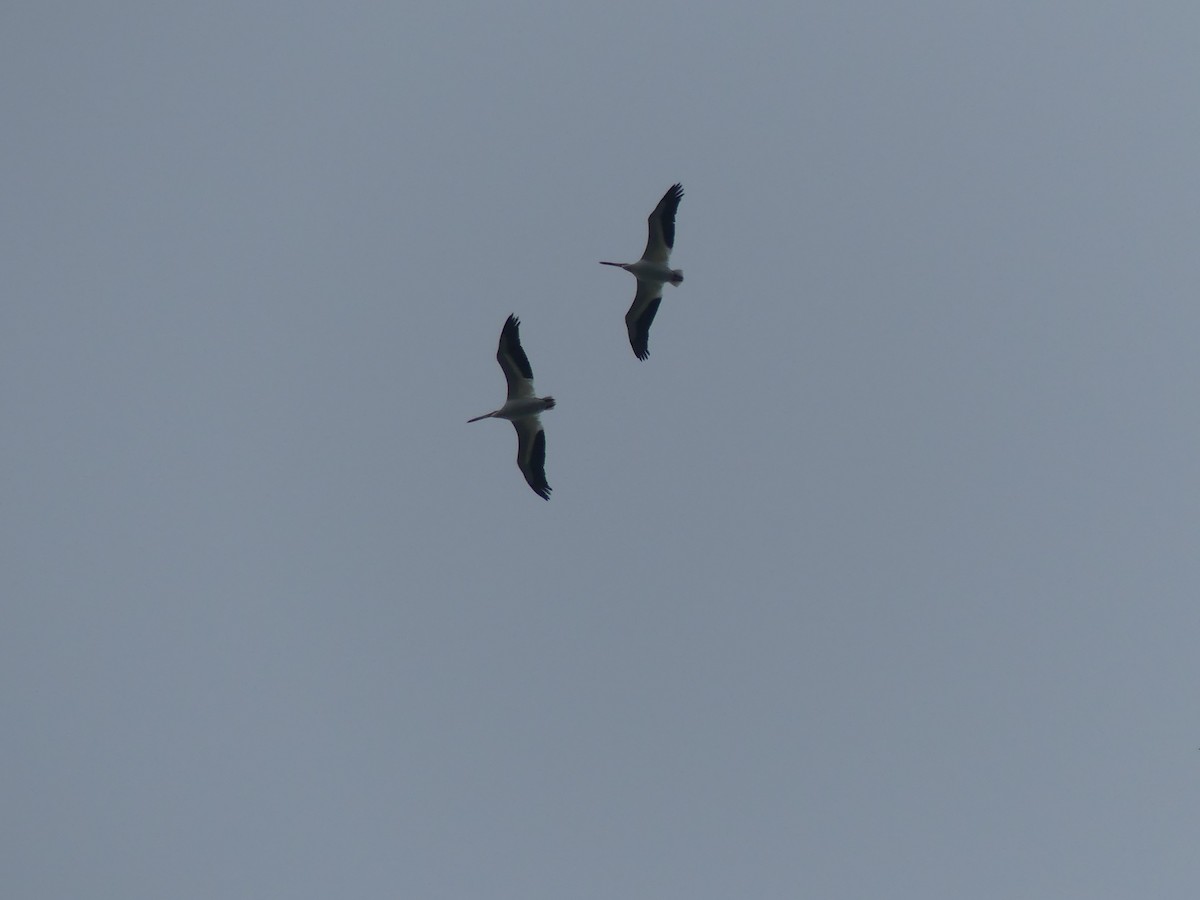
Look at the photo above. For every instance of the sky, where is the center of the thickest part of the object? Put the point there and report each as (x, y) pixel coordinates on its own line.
(878, 578)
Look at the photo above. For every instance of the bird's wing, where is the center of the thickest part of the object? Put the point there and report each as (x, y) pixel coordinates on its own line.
(641, 315)
(662, 226)
(513, 360)
(531, 454)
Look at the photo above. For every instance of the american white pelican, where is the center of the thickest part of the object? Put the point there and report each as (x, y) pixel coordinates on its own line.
(652, 271)
(522, 408)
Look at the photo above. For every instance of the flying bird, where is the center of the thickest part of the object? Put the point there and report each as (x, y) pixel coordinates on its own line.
(522, 408)
(652, 271)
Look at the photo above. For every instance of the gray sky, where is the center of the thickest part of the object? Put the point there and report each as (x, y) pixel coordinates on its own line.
(878, 579)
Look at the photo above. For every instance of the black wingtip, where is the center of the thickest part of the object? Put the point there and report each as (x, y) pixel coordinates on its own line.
(667, 207)
(671, 199)
(510, 343)
(535, 475)
(638, 327)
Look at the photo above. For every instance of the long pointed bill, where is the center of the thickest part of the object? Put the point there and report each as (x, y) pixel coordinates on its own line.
(477, 418)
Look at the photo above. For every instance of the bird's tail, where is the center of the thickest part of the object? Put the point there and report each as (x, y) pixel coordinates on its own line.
(549, 401)
(677, 277)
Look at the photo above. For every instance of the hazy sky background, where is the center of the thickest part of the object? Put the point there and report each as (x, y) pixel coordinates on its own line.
(879, 579)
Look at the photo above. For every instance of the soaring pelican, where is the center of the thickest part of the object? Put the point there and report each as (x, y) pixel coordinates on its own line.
(652, 271)
(522, 408)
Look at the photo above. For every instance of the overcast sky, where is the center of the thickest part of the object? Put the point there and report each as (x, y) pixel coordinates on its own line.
(878, 579)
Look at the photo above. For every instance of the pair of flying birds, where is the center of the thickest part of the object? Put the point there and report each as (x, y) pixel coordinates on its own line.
(523, 406)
